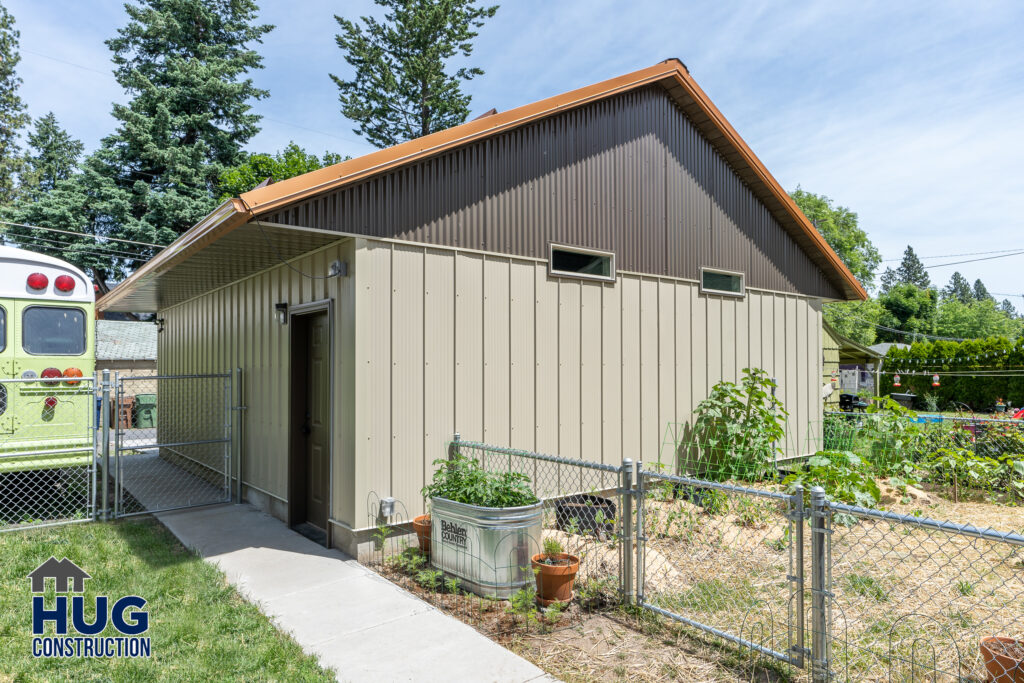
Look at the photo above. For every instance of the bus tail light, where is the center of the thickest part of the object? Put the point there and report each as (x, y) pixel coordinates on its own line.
(72, 372)
(50, 402)
(50, 373)
(37, 281)
(64, 283)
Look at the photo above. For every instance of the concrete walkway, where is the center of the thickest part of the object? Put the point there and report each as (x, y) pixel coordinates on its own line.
(356, 622)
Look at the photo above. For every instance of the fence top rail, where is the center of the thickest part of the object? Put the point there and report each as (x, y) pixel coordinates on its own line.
(222, 375)
(937, 419)
(703, 483)
(948, 527)
(537, 456)
(48, 381)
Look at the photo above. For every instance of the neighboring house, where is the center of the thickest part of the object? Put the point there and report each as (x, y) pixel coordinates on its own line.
(849, 367)
(567, 277)
(126, 347)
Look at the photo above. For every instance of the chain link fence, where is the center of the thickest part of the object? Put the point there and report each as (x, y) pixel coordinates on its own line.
(487, 576)
(47, 473)
(171, 442)
(725, 559)
(914, 597)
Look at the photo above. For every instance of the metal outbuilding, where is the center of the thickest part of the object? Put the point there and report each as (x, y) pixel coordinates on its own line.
(566, 277)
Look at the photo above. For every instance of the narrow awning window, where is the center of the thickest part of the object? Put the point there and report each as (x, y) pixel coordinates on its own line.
(579, 262)
(723, 282)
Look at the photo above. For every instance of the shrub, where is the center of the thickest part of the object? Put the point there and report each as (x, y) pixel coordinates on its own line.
(736, 430)
(844, 476)
(463, 480)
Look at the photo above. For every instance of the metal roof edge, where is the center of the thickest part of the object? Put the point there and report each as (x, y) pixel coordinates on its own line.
(222, 220)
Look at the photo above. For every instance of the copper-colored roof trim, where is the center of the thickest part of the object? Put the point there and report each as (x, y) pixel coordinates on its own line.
(263, 200)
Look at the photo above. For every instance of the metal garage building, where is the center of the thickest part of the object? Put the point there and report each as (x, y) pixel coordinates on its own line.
(566, 277)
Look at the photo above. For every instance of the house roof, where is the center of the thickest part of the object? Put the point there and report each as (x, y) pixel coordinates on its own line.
(670, 74)
(848, 347)
(125, 340)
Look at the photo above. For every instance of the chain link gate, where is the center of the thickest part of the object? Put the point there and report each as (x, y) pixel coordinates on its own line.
(727, 560)
(171, 442)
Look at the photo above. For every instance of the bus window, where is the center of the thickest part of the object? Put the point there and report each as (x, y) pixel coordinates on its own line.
(49, 331)
(3, 329)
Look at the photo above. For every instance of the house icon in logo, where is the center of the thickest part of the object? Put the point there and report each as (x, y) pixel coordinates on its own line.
(61, 571)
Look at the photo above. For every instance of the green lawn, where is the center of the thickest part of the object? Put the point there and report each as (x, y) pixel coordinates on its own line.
(201, 629)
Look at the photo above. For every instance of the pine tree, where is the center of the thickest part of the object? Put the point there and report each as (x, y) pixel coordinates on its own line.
(53, 156)
(184, 63)
(958, 289)
(403, 87)
(888, 280)
(1007, 307)
(912, 271)
(980, 292)
(12, 110)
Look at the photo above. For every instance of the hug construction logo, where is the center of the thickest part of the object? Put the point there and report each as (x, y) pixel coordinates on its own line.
(83, 638)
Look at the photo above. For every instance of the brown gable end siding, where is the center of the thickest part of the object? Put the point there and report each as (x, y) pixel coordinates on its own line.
(629, 173)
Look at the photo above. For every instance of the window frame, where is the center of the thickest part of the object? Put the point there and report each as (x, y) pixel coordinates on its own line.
(721, 292)
(85, 330)
(3, 329)
(610, 255)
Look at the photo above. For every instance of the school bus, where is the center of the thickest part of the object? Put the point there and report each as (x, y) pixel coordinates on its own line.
(47, 360)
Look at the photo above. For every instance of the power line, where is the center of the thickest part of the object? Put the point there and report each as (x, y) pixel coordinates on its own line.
(84, 234)
(986, 258)
(194, 99)
(78, 247)
(899, 331)
(970, 253)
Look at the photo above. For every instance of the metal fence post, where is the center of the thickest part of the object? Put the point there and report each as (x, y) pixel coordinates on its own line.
(627, 530)
(798, 647)
(105, 431)
(236, 432)
(819, 586)
(453, 448)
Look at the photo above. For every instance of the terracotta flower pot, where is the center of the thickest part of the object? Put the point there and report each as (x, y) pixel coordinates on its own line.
(421, 525)
(1004, 659)
(554, 581)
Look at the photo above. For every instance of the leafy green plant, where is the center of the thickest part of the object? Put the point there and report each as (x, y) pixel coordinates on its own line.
(844, 476)
(463, 480)
(737, 429)
(429, 578)
(866, 586)
(552, 546)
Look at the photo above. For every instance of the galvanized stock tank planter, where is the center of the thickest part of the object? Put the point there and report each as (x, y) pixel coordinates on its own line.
(488, 549)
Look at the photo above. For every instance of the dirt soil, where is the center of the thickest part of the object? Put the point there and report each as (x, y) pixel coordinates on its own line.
(613, 647)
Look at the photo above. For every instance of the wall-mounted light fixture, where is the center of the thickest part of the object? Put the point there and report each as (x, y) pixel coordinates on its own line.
(338, 269)
(282, 313)
(159, 322)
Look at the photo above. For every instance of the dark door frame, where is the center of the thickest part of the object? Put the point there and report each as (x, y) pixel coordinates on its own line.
(297, 335)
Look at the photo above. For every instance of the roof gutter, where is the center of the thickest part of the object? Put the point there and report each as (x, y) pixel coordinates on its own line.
(219, 222)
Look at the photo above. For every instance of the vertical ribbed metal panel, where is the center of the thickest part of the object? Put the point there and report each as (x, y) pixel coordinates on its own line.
(630, 174)
(429, 341)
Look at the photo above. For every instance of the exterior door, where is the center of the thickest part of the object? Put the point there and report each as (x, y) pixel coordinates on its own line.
(316, 428)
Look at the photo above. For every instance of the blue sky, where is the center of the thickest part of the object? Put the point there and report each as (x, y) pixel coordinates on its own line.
(910, 113)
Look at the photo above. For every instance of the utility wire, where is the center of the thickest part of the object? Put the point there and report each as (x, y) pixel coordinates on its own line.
(194, 99)
(970, 253)
(83, 234)
(973, 260)
(278, 253)
(78, 247)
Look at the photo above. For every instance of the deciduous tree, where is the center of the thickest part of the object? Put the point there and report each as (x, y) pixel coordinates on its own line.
(838, 225)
